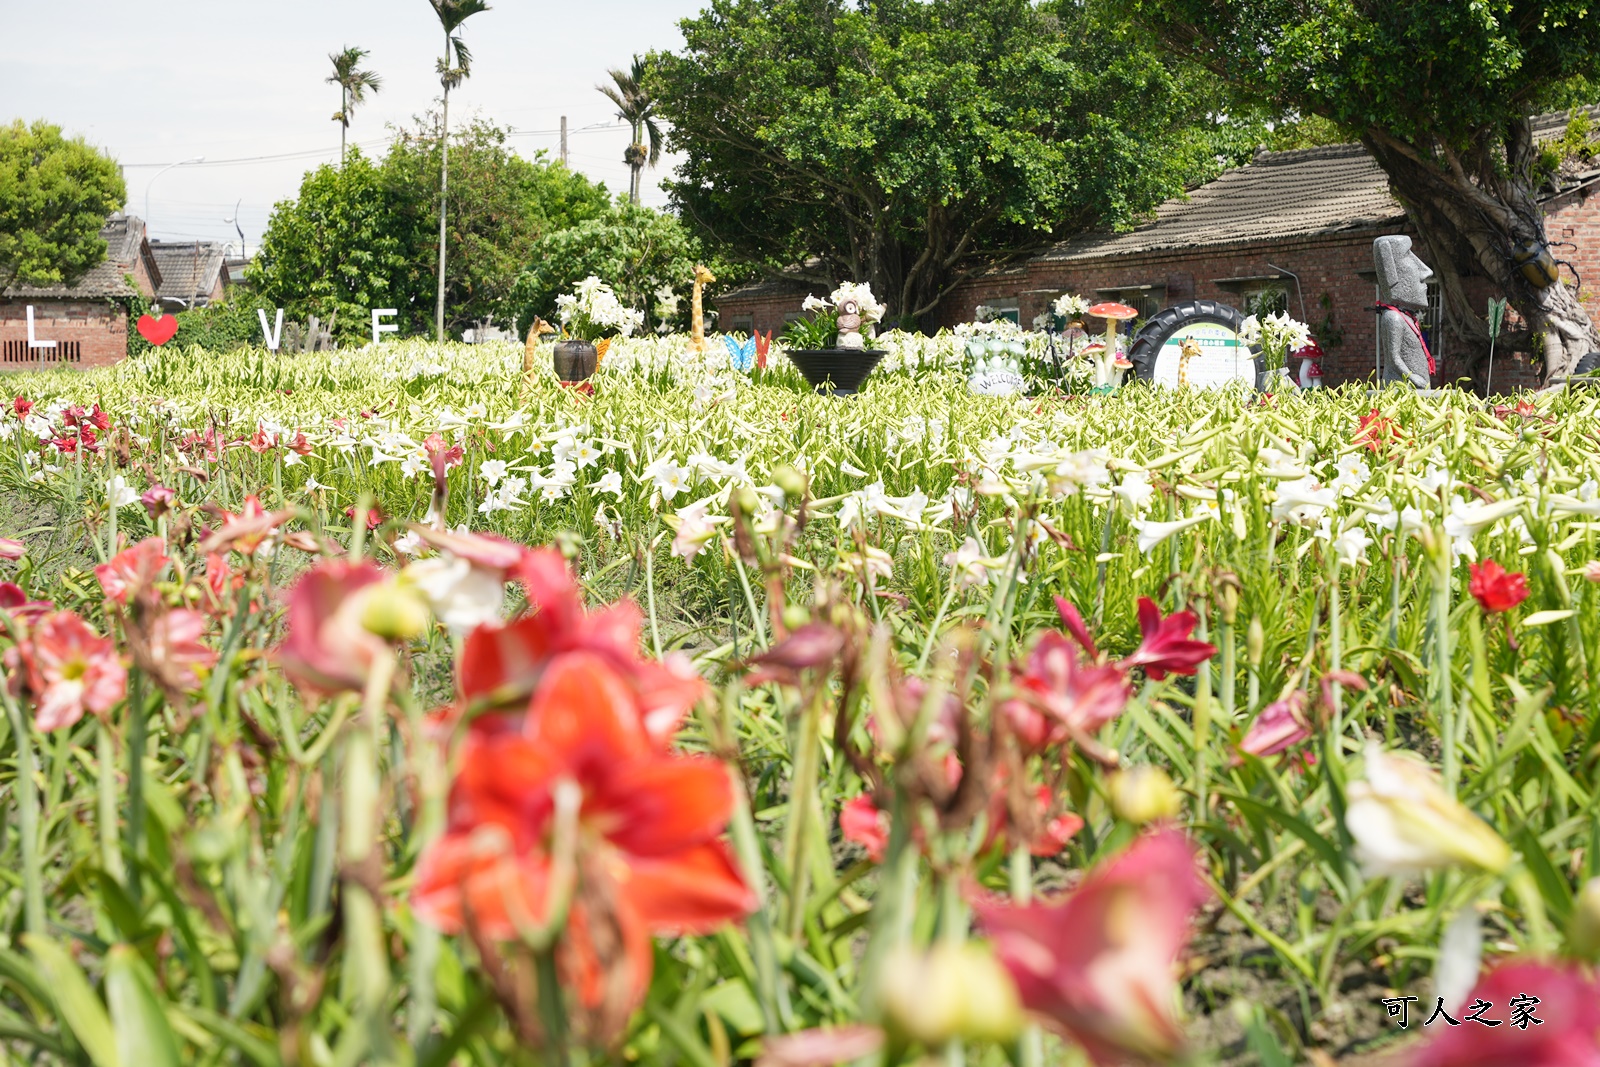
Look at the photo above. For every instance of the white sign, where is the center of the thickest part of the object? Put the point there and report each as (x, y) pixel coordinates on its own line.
(1222, 359)
(272, 337)
(32, 341)
(378, 327)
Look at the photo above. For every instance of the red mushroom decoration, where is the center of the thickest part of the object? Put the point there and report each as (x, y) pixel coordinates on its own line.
(1113, 313)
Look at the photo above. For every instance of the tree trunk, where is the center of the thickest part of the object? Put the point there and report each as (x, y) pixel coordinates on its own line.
(1472, 210)
(444, 195)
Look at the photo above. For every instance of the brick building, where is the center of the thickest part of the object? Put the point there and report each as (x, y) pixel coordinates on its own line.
(1289, 231)
(85, 320)
(194, 274)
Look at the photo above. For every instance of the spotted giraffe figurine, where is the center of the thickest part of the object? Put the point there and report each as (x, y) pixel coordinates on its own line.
(1189, 350)
(697, 339)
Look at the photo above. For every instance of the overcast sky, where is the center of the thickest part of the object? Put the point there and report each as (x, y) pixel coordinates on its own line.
(166, 81)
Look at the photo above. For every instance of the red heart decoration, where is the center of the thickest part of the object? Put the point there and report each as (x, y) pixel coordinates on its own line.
(158, 331)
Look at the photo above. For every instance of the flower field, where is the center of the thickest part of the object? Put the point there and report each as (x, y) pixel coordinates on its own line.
(392, 707)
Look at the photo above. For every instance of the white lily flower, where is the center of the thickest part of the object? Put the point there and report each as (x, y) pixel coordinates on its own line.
(610, 482)
(463, 597)
(1351, 546)
(119, 494)
(1404, 822)
(1152, 534)
(492, 470)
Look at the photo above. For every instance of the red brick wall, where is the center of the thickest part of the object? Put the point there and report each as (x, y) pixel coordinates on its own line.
(97, 329)
(766, 308)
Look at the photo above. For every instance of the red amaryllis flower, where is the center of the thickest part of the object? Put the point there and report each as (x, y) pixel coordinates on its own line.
(439, 452)
(863, 823)
(1097, 965)
(300, 446)
(650, 859)
(98, 418)
(375, 516)
(501, 666)
(21, 406)
(1167, 647)
(1375, 432)
(68, 669)
(1280, 726)
(221, 582)
(1549, 1016)
(244, 532)
(10, 549)
(176, 648)
(1073, 623)
(1062, 695)
(327, 649)
(14, 599)
(67, 445)
(133, 570)
(1494, 588)
(157, 500)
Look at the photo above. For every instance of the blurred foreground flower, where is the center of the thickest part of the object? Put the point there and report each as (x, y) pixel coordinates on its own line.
(951, 991)
(67, 669)
(1550, 1017)
(1405, 823)
(1144, 794)
(328, 648)
(10, 549)
(1097, 965)
(132, 570)
(647, 835)
(1494, 588)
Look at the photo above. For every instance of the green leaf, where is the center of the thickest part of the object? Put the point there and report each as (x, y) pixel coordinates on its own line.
(143, 1036)
(80, 1009)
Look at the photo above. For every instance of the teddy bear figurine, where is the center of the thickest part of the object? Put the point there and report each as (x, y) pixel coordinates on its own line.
(850, 325)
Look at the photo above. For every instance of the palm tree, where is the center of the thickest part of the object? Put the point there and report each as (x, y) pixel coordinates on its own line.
(452, 13)
(353, 86)
(637, 108)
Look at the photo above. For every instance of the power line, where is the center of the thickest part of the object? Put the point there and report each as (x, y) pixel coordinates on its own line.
(314, 153)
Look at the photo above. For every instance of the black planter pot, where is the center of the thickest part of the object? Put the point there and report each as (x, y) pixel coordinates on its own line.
(575, 360)
(839, 371)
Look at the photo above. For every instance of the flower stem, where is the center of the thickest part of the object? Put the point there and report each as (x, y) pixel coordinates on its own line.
(802, 802)
(138, 732)
(106, 790)
(27, 819)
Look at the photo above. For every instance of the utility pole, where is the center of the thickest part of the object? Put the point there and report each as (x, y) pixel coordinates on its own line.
(564, 140)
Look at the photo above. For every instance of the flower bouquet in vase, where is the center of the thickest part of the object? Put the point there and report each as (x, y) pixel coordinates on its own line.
(830, 349)
(591, 317)
(1275, 336)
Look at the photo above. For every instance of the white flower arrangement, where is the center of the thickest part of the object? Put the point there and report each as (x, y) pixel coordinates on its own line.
(1277, 335)
(1071, 306)
(592, 311)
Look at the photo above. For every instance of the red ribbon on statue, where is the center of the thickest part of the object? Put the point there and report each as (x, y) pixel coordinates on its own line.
(1411, 321)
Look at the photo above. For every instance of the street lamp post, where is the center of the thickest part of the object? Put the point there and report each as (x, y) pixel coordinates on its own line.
(152, 181)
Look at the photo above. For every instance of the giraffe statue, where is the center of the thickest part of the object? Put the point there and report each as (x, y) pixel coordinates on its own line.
(1189, 350)
(537, 331)
(697, 338)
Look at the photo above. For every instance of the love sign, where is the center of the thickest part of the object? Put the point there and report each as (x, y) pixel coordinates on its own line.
(158, 331)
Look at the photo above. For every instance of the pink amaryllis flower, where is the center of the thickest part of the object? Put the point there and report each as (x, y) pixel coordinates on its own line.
(176, 649)
(1061, 695)
(244, 532)
(67, 669)
(158, 500)
(327, 649)
(12, 550)
(1098, 964)
(1560, 1027)
(1167, 647)
(133, 570)
(15, 602)
(1281, 725)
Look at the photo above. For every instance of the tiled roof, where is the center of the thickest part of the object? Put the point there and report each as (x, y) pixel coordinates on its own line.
(189, 269)
(1278, 195)
(1301, 193)
(124, 237)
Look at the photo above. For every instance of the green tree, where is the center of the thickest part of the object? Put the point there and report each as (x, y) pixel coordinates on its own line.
(1441, 92)
(635, 250)
(909, 142)
(55, 194)
(452, 14)
(341, 248)
(354, 84)
(501, 205)
(630, 91)
(360, 240)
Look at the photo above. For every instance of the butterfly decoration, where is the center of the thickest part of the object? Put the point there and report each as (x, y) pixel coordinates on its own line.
(743, 353)
(763, 346)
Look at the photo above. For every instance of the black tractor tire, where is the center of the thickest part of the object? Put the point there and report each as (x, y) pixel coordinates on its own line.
(1163, 324)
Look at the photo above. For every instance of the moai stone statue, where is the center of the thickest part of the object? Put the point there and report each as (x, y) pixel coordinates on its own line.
(1402, 292)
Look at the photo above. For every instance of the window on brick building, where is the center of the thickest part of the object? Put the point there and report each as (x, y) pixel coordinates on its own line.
(745, 324)
(1145, 299)
(20, 352)
(1268, 299)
